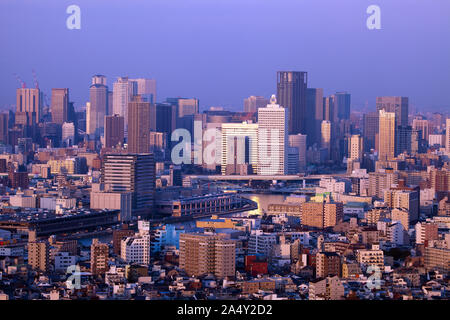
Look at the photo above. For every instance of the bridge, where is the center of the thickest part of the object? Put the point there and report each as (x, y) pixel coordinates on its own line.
(264, 178)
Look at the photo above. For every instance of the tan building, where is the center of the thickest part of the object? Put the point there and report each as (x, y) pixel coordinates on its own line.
(39, 255)
(29, 105)
(322, 215)
(386, 135)
(99, 257)
(328, 264)
(207, 253)
(330, 288)
(371, 257)
(138, 126)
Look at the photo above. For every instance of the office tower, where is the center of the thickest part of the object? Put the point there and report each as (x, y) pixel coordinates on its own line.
(146, 88)
(314, 115)
(60, 105)
(322, 215)
(447, 135)
(291, 93)
(39, 255)
(187, 107)
(29, 103)
(272, 139)
(342, 101)
(99, 257)
(386, 135)
(403, 140)
(98, 95)
(239, 147)
(298, 141)
(4, 126)
(201, 254)
(328, 264)
(422, 126)
(114, 131)
(133, 173)
(326, 137)
(68, 134)
(163, 118)
(253, 103)
(396, 105)
(355, 148)
(371, 127)
(123, 90)
(138, 125)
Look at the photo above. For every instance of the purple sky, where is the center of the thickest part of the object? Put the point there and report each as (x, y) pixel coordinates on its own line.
(222, 51)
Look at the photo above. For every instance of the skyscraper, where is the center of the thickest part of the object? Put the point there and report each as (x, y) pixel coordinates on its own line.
(98, 95)
(272, 139)
(355, 148)
(447, 135)
(326, 136)
(371, 127)
(298, 141)
(253, 103)
(314, 116)
(138, 125)
(397, 105)
(342, 105)
(239, 147)
(146, 88)
(133, 173)
(123, 90)
(29, 102)
(291, 93)
(386, 135)
(114, 131)
(60, 105)
(187, 107)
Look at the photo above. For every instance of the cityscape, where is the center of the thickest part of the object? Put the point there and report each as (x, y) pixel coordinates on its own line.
(300, 194)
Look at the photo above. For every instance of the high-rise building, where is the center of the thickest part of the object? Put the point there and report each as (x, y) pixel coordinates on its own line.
(98, 95)
(298, 141)
(114, 131)
(60, 105)
(123, 90)
(253, 103)
(239, 147)
(146, 88)
(342, 101)
(136, 248)
(133, 173)
(4, 126)
(291, 93)
(447, 135)
(29, 102)
(371, 127)
(138, 125)
(272, 139)
(386, 135)
(314, 116)
(39, 255)
(397, 105)
(421, 125)
(355, 148)
(99, 257)
(206, 253)
(68, 134)
(187, 107)
(326, 137)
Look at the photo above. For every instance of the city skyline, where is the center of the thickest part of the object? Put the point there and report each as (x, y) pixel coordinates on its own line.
(357, 64)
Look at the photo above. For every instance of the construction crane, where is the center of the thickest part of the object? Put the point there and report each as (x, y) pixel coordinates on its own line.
(22, 84)
(36, 83)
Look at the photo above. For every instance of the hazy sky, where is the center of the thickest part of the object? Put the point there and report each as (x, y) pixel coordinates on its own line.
(222, 51)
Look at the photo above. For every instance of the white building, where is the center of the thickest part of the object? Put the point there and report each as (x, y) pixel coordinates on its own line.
(272, 139)
(136, 249)
(63, 260)
(261, 243)
(239, 146)
(68, 133)
(123, 90)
